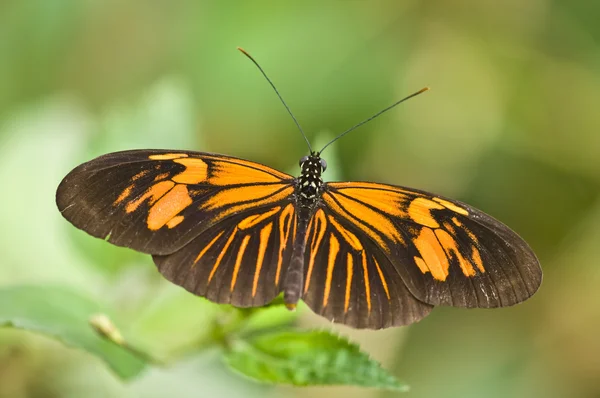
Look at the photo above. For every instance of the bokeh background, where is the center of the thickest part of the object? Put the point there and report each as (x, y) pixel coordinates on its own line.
(511, 125)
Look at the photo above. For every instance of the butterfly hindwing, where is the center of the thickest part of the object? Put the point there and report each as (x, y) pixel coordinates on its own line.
(443, 251)
(347, 280)
(158, 201)
(240, 261)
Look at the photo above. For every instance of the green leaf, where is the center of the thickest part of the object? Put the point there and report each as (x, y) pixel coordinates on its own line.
(308, 358)
(65, 315)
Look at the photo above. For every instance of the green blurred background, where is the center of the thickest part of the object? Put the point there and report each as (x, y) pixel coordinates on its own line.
(511, 125)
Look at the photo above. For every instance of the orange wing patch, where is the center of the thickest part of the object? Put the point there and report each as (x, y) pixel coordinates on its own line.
(124, 195)
(226, 173)
(265, 233)
(450, 246)
(168, 156)
(166, 200)
(168, 206)
(318, 226)
(222, 254)
(366, 278)
(371, 186)
(153, 193)
(333, 252)
(196, 171)
(419, 211)
(255, 219)
(387, 201)
(349, 270)
(477, 259)
(285, 223)
(139, 175)
(238, 261)
(175, 221)
(436, 244)
(383, 281)
(421, 264)
(433, 254)
(207, 247)
(436, 247)
(258, 195)
(461, 226)
(452, 206)
(347, 235)
(161, 177)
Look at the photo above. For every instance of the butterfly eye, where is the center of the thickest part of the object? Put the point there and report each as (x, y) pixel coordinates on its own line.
(323, 164)
(302, 160)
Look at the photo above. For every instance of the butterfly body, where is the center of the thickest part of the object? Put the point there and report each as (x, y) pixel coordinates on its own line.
(308, 191)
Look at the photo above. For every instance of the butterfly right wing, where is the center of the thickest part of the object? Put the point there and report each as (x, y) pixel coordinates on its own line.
(444, 251)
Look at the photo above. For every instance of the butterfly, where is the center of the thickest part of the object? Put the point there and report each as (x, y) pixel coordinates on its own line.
(364, 254)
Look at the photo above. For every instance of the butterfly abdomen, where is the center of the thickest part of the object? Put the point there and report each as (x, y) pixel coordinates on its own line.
(294, 279)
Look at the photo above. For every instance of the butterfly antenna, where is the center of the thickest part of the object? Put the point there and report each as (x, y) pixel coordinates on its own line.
(279, 95)
(373, 117)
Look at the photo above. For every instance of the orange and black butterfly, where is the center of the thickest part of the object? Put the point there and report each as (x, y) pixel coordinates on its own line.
(364, 254)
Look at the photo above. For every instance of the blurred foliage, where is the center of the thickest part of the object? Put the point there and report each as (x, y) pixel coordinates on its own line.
(510, 126)
(64, 315)
(308, 358)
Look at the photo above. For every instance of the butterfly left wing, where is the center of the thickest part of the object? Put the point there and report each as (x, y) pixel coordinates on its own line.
(444, 252)
(218, 226)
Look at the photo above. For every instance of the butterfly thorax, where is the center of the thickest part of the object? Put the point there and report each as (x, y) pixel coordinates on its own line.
(308, 187)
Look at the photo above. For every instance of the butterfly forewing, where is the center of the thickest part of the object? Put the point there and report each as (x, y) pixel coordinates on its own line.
(443, 251)
(158, 201)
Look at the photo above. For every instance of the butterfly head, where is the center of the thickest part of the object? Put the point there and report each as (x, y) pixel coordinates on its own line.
(313, 163)
(310, 181)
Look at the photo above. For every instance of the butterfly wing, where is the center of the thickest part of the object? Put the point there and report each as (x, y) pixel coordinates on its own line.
(190, 210)
(444, 252)
(380, 255)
